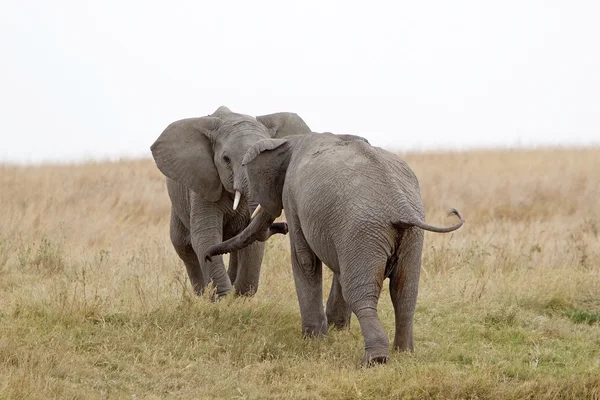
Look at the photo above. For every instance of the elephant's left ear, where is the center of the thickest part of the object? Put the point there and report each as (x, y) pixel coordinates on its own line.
(284, 124)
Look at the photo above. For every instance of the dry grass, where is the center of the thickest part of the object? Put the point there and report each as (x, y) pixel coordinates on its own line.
(94, 303)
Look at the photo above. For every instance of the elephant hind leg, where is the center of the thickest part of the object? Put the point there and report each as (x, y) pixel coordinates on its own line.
(338, 311)
(308, 279)
(180, 237)
(404, 286)
(249, 260)
(361, 281)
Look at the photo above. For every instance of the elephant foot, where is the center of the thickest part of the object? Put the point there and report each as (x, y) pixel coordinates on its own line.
(218, 295)
(404, 341)
(404, 348)
(245, 291)
(339, 324)
(375, 356)
(339, 321)
(314, 331)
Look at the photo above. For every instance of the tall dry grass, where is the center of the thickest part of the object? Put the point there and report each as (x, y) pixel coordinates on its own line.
(94, 302)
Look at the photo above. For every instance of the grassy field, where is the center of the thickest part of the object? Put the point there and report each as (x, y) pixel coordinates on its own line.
(94, 302)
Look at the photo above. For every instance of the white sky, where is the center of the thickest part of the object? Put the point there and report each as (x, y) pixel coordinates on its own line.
(94, 79)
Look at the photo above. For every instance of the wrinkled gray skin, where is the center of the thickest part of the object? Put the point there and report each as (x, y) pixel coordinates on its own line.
(201, 158)
(358, 209)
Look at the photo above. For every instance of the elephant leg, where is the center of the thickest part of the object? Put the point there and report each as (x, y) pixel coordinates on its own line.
(362, 279)
(338, 310)
(404, 286)
(207, 230)
(308, 279)
(232, 270)
(250, 260)
(180, 237)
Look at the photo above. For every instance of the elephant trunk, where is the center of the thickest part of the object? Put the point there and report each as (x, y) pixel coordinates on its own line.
(260, 229)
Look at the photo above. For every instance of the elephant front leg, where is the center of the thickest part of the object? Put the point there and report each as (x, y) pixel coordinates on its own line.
(308, 277)
(338, 310)
(180, 237)
(213, 271)
(207, 230)
(250, 260)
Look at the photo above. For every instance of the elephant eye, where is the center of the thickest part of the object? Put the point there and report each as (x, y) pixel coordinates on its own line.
(226, 159)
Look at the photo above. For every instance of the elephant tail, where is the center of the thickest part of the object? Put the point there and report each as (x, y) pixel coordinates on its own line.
(431, 228)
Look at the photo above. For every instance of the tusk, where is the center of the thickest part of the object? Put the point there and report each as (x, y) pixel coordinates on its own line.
(236, 200)
(255, 213)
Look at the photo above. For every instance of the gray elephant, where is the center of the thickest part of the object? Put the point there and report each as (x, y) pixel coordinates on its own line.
(201, 158)
(355, 207)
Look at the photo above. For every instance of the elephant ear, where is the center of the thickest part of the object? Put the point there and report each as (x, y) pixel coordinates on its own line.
(284, 124)
(350, 138)
(221, 112)
(266, 164)
(346, 137)
(183, 152)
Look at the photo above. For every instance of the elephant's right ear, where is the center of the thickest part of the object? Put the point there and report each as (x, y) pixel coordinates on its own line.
(284, 124)
(350, 138)
(183, 152)
(266, 164)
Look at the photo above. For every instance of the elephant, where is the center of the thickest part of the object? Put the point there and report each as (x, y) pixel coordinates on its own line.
(356, 208)
(201, 159)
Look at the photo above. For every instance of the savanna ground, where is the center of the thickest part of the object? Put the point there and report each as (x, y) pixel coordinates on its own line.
(94, 302)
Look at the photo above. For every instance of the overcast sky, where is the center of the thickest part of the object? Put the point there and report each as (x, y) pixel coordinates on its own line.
(94, 79)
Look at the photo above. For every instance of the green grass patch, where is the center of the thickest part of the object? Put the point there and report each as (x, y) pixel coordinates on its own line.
(583, 317)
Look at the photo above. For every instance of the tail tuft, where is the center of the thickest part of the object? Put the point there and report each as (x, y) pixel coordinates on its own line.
(454, 211)
(424, 225)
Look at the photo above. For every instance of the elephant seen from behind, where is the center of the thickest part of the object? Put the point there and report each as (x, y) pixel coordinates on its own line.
(354, 207)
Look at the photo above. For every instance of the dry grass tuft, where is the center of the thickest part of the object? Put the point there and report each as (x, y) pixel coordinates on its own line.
(96, 304)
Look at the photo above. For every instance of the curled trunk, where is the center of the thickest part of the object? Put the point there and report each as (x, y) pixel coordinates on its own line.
(260, 229)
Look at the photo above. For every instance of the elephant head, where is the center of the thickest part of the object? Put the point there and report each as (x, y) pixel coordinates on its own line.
(205, 154)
